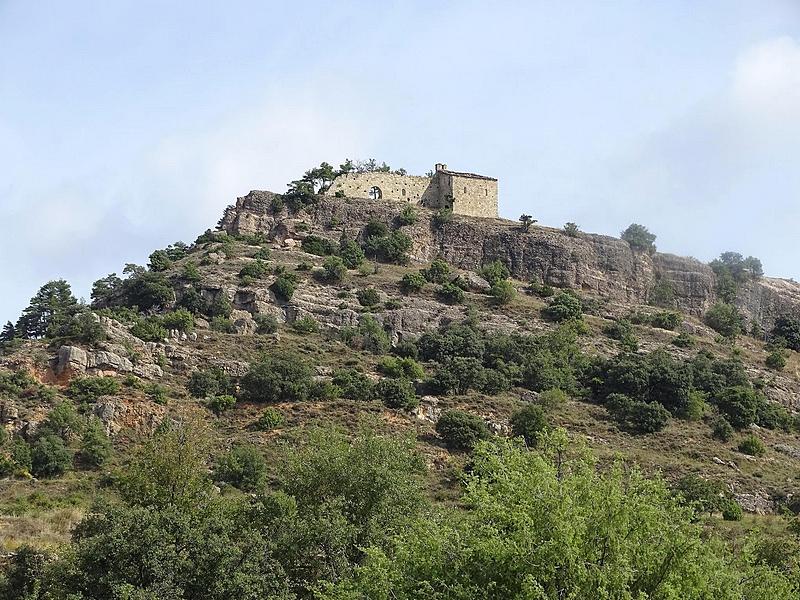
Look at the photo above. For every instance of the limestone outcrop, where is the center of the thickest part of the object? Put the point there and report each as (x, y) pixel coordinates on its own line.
(599, 264)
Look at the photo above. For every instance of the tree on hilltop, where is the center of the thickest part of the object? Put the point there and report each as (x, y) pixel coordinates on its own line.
(639, 238)
(52, 306)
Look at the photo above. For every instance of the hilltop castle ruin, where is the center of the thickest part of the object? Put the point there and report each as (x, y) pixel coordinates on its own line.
(465, 193)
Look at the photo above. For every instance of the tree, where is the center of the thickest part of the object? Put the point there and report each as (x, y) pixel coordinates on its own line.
(739, 405)
(461, 430)
(285, 285)
(96, 448)
(350, 252)
(412, 283)
(9, 333)
(572, 229)
(526, 222)
(528, 423)
(48, 310)
(437, 272)
(787, 328)
(105, 290)
(639, 238)
(50, 457)
(495, 271)
(334, 269)
(725, 319)
(564, 307)
(396, 393)
(159, 261)
(277, 377)
(450, 293)
(503, 292)
(244, 467)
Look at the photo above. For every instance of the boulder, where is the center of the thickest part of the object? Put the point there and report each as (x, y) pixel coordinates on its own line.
(71, 359)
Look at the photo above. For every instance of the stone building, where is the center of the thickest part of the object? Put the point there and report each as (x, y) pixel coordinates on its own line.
(464, 193)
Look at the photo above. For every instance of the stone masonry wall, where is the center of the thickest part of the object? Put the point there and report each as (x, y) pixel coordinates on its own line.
(403, 188)
(473, 196)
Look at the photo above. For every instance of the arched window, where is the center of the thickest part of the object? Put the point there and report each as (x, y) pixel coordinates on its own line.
(375, 193)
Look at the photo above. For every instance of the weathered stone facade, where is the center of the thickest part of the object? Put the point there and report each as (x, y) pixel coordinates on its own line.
(465, 193)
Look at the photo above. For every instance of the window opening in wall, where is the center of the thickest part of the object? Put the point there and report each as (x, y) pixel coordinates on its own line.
(486, 192)
(375, 193)
(403, 192)
(465, 189)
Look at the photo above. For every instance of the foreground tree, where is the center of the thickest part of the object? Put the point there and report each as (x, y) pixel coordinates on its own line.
(51, 307)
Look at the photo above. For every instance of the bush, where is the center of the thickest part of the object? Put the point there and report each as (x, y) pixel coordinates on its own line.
(450, 293)
(442, 217)
(256, 269)
(396, 393)
(494, 382)
(159, 261)
(266, 324)
(285, 285)
(639, 238)
(412, 283)
(401, 367)
(731, 510)
(551, 398)
(220, 307)
(640, 417)
(389, 248)
(320, 246)
(437, 272)
(95, 446)
(50, 457)
(739, 404)
(683, 340)
(368, 335)
(502, 292)
(494, 272)
(354, 385)
(333, 269)
(277, 377)
(83, 327)
(263, 253)
(563, 307)
(776, 360)
(157, 393)
(222, 325)
(221, 404)
(88, 389)
(461, 430)
(269, 419)
(351, 253)
(212, 381)
(150, 330)
(752, 446)
(458, 375)
(571, 229)
(305, 325)
(724, 319)
(528, 423)
(541, 289)
(787, 328)
(368, 296)
(244, 467)
(407, 216)
(721, 429)
(180, 319)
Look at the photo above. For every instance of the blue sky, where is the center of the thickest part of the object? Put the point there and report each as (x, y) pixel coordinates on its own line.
(125, 126)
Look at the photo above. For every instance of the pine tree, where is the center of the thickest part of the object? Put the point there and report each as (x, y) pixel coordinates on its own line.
(52, 305)
(8, 333)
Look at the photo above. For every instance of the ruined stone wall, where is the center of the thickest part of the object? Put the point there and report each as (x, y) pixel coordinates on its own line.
(474, 196)
(403, 188)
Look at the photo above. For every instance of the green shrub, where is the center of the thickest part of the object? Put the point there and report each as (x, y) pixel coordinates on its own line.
(305, 325)
(412, 283)
(683, 340)
(752, 446)
(95, 446)
(640, 417)
(461, 430)
(563, 307)
(502, 292)
(639, 238)
(494, 272)
(324, 390)
(368, 296)
(776, 360)
(220, 307)
(157, 393)
(450, 293)
(212, 381)
(721, 429)
(159, 261)
(407, 216)
(731, 510)
(222, 325)
(494, 382)
(351, 253)
(333, 269)
(725, 319)
(739, 404)
(787, 328)
(266, 324)
(50, 457)
(437, 272)
(87, 390)
(368, 335)
(180, 319)
(62, 420)
(389, 248)
(320, 246)
(354, 384)
(243, 467)
(442, 217)
(401, 367)
(278, 377)
(551, 398)
(458, 375)
(150, 330)
(257, 269)
(84, 328)
(285, 285)
(221, 404)
(571, 229)
(528, 423)
(396, 393)
(541, 289)
(269, 419)
(263, 253)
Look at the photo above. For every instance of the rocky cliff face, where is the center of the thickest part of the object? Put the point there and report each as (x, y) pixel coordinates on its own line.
(599, 264)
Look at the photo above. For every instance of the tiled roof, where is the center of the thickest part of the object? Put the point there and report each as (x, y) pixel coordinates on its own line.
(468, 175)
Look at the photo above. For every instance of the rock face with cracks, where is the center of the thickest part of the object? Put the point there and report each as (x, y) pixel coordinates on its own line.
(599, 264)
